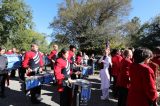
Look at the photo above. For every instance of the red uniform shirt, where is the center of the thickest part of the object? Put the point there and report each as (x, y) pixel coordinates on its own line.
(153, 66)
(71, 57)
(9, 52)
(116, 64)
(53, 55)
(142, 89)
(123, 77)
(79, 60)
(157, 61)
(62, 72)
(32, 60)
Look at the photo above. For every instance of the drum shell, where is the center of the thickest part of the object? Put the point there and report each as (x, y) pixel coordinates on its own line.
(33, 82)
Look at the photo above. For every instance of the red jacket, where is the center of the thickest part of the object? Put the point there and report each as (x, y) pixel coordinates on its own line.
(153, 66)
(9, 53)
(32, 60)
(71, 57)
(79, 60)
(116, 64)
(123, 77)
(143, 88)
(62, 72)
(53, 55)
(157, 61)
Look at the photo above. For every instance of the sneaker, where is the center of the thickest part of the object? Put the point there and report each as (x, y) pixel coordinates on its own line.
(27, 93)
(102, 98)
(21, 81)
(39, 98)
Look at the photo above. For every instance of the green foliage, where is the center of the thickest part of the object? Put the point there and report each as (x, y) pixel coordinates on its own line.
(88, 23)
(150, 34)
(15, 16)
(16, 26)
(130, 32)
(27, 37)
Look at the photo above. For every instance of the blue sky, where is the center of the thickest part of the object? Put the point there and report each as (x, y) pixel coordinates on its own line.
(45, 10)
(43, 13)
(145, 9)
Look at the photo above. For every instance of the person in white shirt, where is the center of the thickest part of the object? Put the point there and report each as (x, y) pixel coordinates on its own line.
(104, 74)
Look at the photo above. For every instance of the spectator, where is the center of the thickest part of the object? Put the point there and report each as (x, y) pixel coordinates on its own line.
(3, 72)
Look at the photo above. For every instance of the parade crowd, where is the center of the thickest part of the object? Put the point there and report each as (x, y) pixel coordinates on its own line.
(130, 73)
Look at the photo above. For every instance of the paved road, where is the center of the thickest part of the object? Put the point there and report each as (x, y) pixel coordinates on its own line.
(15, 97)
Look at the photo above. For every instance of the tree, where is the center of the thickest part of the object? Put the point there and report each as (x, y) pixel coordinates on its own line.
(15, 17)
(150, 34)
(130, 32)
(88, 23)
(27, 37)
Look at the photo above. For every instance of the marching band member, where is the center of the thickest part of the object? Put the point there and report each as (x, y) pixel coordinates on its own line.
(142, 91)
(123, 81)
(53, 55)
(72, 61)
(79, 58)
(156, 57)
(33, 63)
(62, 74)
(116, 62)
(71, 56)
(156, 60)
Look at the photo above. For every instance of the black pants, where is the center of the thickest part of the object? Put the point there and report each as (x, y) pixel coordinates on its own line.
(122, 96)
(66, 97)
(2, 83)
(22, 72)
(115, 88)
(13, 73)
(35, 91)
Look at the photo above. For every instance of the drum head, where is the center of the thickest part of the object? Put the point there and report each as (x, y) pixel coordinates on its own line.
(82, 82)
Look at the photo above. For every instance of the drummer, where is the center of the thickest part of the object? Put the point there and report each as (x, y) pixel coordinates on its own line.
(53, 55)
(79, 63)
(72, 61)
(33, 63)
(71, 56)
(62, 74)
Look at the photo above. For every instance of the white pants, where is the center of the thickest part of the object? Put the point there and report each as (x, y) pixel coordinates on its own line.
(105, 93)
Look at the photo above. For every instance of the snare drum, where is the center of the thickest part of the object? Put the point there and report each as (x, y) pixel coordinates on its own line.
(47, 78)
(84, 88)
(85, 93)
(32, 82)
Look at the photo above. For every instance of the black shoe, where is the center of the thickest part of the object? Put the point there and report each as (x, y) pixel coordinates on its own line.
(2, 96)
(35, 101)
(12, 76)
(108, 101)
